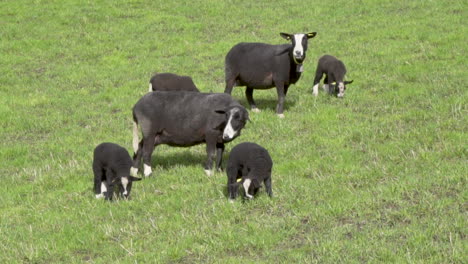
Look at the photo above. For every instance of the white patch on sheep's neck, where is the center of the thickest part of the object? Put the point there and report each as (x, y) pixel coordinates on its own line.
(246, 185)
(124, 185)
(298, 48)
(150, 87)
(147, 170)
(229, 131)
(341, 89)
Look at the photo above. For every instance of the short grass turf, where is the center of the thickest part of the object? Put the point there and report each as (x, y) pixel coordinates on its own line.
(379, 176)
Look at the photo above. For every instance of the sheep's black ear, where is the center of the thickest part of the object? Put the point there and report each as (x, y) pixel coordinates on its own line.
(348, 82)
(286, 36)
(311, 35)
(131, 178)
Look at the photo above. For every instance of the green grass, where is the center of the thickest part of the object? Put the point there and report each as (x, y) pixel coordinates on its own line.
(377, 177)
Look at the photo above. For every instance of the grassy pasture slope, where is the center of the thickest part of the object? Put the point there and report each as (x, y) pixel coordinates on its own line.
(377, 177)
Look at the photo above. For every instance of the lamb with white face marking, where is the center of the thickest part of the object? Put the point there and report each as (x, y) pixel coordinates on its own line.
(111, 167)
(334, 71)
(249, 165)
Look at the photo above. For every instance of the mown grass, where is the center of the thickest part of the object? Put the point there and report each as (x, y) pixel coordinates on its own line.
(377, 177)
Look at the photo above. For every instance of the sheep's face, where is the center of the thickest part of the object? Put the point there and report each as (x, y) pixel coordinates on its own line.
(299, 44)
(235, 119)
(340, 88)
(125, 185)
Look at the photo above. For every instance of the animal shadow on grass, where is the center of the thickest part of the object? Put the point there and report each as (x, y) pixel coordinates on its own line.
(181, 158)
(268, 104)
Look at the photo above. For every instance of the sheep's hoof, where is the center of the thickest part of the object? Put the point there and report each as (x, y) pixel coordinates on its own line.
(281, 115)
(147, 170)
(231, 200)
(315, 94)
(209, 172)
(256, 110)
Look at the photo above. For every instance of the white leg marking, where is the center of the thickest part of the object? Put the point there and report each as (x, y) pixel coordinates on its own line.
(208, 173)
(147, 170)
(315, 90)
(281, 115)
(150, 87)
(103, 190)
(124, 185)
(298, 48)
(256, 110)
(229, 131)
(133, 171)
(246, 185)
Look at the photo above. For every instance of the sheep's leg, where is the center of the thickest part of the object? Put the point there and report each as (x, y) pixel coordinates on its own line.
(211, 153)
(233, 186)
(286, 87)
(148, 148)
(281, 95)
(268, 186)
(249, 95)
(229, 85)
(219, 156)
(110, 176)
(98, 173)
(137, 159)
(318, 77)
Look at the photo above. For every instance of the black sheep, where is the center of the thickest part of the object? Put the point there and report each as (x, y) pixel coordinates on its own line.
(111, 166)
(249, 165)
(185, 119)
(171, 82)
(334, 71)
(264, 66)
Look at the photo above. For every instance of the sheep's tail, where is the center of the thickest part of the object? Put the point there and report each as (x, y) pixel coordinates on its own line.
(150, 88)
(136, 140)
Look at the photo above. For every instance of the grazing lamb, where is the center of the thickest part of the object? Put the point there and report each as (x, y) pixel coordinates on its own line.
(171, 82)
(111, 166)
(334, 71)
(264, 66)
(249, 164)
(185, 119)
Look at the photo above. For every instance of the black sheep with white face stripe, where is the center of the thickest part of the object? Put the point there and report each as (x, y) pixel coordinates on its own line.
(111, 167)
(185, 119)
(249, 165)
(264, 66)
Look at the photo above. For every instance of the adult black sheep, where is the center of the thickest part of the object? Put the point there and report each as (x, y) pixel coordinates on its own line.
(264, 66)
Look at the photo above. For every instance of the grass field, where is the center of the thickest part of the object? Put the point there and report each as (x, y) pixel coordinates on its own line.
(380, 176)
